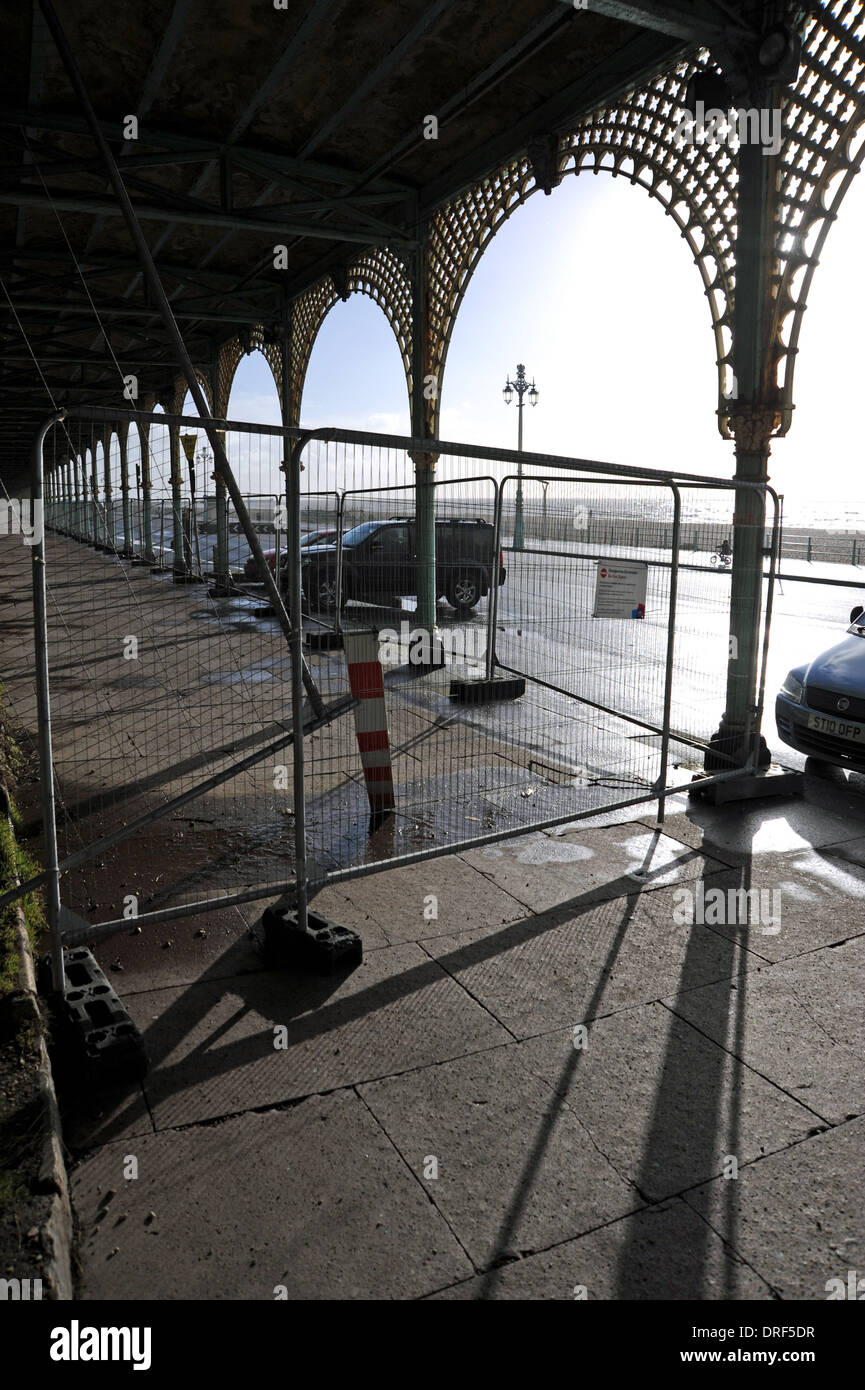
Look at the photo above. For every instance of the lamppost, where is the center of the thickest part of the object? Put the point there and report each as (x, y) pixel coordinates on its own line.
(521, 386)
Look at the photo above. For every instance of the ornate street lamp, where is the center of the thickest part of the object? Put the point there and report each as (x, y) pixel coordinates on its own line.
(522, 387)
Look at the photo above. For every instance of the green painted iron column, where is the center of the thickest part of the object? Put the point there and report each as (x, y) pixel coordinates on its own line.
(753, 418)
(108, 509)
(146, 493)
(123, 437)
(179, 564)
(94, 497)
(423, 411)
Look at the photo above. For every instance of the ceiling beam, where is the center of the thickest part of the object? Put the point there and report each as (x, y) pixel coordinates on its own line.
(107, 263)
(644, 56)
(241, 220)
(162, 139)
(162, 58)
(122, 310)
(698, 21)
(429, 16)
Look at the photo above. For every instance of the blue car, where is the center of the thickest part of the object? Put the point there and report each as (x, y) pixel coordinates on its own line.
(820, 708)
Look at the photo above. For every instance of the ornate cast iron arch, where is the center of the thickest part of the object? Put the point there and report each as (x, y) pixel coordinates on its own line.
(822, 149)
(231, 355)
(379, 273)
(173, 404)
(637, 139)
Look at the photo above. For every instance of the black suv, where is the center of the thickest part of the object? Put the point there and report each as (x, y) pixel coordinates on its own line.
(379, 560)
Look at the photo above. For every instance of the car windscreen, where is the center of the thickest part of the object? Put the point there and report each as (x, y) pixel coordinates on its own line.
(360, 533)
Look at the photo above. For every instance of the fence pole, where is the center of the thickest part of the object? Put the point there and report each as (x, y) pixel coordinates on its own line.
(493, 606)
(774, 561)
(122, 436)
(146, 494)
(340, 510)
(223, 577)
(179, 566)
(107, 525)
(94, 500)
(671, 644)
(43, 701)
(295, 646)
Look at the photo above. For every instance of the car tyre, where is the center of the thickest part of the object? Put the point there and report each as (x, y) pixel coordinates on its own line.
(464, 592)
(322, 590)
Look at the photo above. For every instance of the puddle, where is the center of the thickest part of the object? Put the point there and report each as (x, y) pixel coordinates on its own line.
(547, 851)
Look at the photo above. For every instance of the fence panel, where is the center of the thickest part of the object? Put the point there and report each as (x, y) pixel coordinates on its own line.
(172, 697)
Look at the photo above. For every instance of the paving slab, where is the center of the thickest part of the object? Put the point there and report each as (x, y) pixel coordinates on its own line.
(802, 1026)
(741, 832)
(795, 902)
(664, 1252)
(307, 1203)
(430, 899)
(517, 1171)
(212, 946)
(214, 1045)
(664, 1103)
(339, 906)
(797, 1217)
(563, 966)
(544, 870)
(114, 1115)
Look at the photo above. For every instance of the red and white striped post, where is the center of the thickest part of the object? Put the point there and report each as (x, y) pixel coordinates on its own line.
(370, 718)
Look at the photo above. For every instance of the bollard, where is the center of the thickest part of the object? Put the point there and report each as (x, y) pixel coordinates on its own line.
(370, 717)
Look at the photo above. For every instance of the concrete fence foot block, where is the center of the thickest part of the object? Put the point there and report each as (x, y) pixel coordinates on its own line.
(750, 786)
(476, 692)
(320, 949)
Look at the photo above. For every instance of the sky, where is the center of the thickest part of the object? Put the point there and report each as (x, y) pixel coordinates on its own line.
(595, 291)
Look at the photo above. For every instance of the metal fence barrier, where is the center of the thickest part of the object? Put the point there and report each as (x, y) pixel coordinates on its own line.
(174, 704)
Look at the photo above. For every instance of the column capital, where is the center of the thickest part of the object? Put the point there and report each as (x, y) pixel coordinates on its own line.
(421, 459)
(753, 426)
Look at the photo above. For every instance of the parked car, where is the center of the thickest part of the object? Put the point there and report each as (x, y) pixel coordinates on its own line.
(820, 709)
(379, 563)
(252, 571)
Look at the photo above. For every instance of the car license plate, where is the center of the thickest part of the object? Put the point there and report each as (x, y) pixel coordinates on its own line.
(838, 728)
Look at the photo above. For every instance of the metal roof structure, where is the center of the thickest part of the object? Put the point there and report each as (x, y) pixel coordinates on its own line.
(237, 128)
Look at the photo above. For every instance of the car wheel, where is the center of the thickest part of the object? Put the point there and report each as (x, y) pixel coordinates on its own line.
(322, 589)
(464, 592)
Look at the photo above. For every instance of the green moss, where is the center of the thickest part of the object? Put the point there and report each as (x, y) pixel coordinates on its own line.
(14, 862)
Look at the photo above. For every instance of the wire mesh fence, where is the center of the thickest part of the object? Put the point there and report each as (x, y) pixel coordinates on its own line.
(172, 678)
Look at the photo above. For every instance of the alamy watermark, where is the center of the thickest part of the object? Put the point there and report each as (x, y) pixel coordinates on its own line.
(852, 1289)
(21, 517)
(20, 1290)
(715, 907)
(414, 646)
(742, 126)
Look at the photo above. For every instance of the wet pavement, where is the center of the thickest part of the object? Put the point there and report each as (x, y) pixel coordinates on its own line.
(549, 1072)
(612, 1056)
